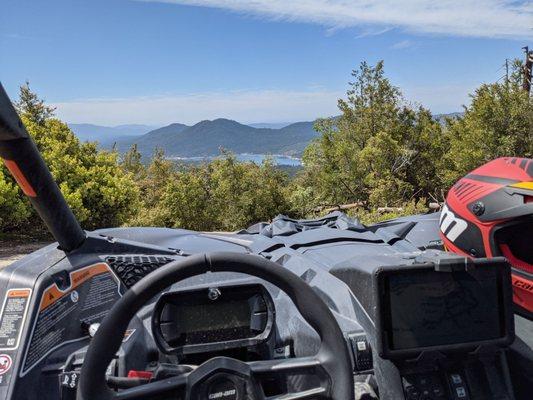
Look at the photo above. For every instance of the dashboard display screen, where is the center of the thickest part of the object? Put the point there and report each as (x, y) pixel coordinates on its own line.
(427, 308)
(198, 318)
(214, 316)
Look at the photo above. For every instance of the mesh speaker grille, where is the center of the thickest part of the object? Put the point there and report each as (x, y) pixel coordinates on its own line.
(131, 269)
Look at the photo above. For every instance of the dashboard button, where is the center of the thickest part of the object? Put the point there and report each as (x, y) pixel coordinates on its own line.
(412, 393)
(437, 392)
(361, 351)
(456, 379)
(424, 381)
(460, 392)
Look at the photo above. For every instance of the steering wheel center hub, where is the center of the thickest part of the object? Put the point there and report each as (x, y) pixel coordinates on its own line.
(224, 388)
(222, 378)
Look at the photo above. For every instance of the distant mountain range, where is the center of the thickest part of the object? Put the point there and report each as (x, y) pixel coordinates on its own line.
(443, 117)
(108, 134)
(207, 138)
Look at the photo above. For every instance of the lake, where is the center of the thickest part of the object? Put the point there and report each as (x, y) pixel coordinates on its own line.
(278, 159)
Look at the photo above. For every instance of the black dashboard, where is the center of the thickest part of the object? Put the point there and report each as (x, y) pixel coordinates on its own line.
(394, 310)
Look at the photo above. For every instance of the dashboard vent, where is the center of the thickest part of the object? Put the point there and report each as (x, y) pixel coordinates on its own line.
(131, 269)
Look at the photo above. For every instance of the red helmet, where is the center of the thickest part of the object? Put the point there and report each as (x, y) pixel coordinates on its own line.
(489, 213)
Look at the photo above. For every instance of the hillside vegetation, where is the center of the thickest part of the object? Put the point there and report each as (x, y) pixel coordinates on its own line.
(381, 151)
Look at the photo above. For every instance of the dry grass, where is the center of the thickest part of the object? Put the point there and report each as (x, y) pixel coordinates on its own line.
(12, 251)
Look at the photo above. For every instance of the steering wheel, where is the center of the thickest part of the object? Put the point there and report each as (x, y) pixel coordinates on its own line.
(223, 378)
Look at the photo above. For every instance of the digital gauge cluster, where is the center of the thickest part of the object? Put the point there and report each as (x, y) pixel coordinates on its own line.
(212, 319)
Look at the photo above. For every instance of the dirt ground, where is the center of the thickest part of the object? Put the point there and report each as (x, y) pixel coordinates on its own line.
(13, 251)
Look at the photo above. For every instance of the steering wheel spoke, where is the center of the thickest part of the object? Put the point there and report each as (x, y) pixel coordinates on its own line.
(301, 395)
(301, 364)
(311, 366)
(153, 390)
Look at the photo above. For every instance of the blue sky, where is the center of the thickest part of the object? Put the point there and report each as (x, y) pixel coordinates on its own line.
(123, 61)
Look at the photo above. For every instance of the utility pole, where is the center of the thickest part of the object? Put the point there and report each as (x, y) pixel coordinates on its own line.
(528, 67)
(506, 72)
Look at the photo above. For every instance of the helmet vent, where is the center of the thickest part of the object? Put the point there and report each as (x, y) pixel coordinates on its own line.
(467, 189)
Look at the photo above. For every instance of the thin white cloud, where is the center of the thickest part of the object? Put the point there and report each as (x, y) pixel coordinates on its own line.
(403, 44)
(474, 18)
(372, 32)
(243, 106)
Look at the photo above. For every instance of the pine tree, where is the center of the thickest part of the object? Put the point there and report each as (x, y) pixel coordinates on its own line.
(32, 107)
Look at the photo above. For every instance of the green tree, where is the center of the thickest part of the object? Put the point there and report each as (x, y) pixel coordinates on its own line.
(223, 195)
(379, 151)
(187, 200)
(32, 106)
(152, 182)
(131, 162)
(498, 122)
(245, 193)
(99, 192)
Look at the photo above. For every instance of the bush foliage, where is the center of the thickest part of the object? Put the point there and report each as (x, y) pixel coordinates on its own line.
(220, 195)
(380, 152)
(99, 193)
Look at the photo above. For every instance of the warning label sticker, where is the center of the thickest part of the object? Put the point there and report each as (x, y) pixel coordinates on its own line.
(64, 315)
(12, 318)
(6, 362)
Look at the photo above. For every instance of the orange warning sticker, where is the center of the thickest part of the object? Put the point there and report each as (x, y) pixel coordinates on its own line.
(53, 293)
(92, 292)
(19, 293)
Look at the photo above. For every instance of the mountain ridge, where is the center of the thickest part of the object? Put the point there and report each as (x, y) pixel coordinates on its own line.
(207, 138)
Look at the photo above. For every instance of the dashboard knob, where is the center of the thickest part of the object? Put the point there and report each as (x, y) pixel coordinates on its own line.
(213, 293)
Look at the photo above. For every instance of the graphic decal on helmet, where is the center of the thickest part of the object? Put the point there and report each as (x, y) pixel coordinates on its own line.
(450, 225)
